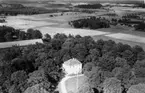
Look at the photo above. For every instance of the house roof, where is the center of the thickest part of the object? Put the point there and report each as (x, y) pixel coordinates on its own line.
(72, 62)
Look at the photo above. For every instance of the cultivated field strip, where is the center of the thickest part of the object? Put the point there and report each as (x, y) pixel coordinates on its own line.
(20, 43)
(127, 37)
(83, 32)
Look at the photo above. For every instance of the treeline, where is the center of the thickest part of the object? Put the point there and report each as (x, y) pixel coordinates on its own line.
(15, 9)
(131, 16)
(127, 21)
(140, 27)
(25, 11)
(11, 34)
(109, 66)
(90, 6)
(91, 23)
(141, 5)
(137, 25)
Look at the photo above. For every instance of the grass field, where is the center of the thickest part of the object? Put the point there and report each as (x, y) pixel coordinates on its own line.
(20, 43)
(59, 24)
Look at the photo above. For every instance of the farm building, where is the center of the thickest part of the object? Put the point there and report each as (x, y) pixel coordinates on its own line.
(72, 66)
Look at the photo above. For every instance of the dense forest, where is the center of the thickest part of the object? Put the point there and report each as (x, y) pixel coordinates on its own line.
(10, 34)
(91, 23)
(109, 66)
(90, 6)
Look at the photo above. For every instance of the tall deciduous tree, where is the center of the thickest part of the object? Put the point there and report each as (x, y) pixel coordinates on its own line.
(19, 76)
(140, 88)
(22, 35)
(107, 62)
(112, 85)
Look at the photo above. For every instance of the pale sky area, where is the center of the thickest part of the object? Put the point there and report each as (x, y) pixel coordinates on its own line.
(72, 0)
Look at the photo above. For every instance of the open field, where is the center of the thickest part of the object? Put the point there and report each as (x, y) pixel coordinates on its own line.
(59, 24)
(20, 43)
(42, 20)
(83, 32)
(127, 37)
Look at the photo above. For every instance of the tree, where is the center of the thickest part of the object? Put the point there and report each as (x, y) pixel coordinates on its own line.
(139, 88)
(137, 49)
(56, 44)
(141, 56)
(129, 56)
(120, 62)
(7, 85)
(79, 52)
(87, 41)
(109, 45)
(139, 64)
(19, 76)
(36, 89)
(29, 33)
(85, 88)
(95, 77)
(69, 43)
(135, 81)
(33, 34)
(61, 37)
(125, 75)
(66, 57)
(140, 27)
(22, 35)
(11, 53)
(140, 72)
(47, 37)
(112, 85)
(116, 71)
(36, 34)
(88, 67)
(14, 89)
(107, 62)
(93, 56)
(36, 77)
(8, 37)
(22, 64)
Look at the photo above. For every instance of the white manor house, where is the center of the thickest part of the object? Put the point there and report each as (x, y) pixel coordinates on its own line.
(72, 67)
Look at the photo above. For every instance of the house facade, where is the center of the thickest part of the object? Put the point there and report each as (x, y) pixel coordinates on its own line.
(72, 67)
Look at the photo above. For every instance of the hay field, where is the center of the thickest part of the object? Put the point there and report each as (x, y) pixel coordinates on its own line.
(59, 24)
(20, 43)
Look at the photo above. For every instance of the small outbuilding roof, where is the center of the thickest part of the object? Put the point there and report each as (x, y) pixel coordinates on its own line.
(72, 62)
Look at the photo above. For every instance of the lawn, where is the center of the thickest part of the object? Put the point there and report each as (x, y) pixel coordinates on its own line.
(74, 83)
